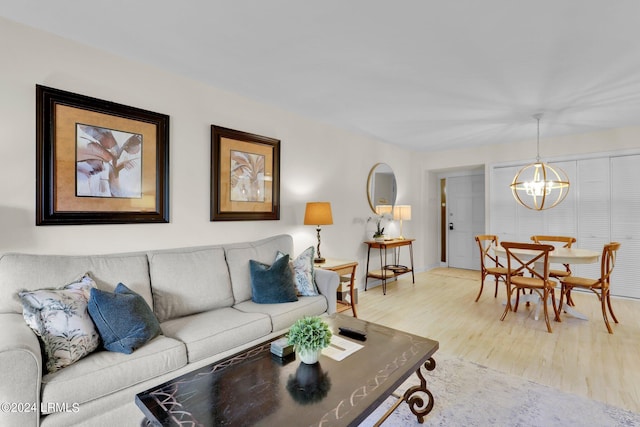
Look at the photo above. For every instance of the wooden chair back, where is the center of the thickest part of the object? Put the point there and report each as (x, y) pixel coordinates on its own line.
(608, 262)
(519, 264)
(566, 240)
(487, 259)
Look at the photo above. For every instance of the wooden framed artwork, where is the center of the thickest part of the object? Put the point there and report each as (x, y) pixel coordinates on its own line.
(99, 162)
(245, 176)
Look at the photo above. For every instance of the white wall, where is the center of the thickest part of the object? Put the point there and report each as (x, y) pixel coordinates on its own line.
(318, 162)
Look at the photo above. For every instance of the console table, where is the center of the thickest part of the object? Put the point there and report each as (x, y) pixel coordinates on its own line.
(389, 271)
(347, 272)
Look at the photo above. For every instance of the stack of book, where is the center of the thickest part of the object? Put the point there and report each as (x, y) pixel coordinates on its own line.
(280, 347)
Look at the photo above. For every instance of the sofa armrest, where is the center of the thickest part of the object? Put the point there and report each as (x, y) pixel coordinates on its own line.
(20, 372)
(328, 282)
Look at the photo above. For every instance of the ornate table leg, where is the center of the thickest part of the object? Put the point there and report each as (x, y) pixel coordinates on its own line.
(416, 395)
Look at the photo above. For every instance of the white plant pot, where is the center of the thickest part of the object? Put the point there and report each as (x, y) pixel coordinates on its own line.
(308, 356)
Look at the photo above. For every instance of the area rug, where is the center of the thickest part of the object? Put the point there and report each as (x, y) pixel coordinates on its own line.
(469, 394)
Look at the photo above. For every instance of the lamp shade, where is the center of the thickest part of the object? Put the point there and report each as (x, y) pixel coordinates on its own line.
(402, 212)
(318, 213)
(384, 209)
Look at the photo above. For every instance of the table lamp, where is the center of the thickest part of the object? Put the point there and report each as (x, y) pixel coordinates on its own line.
(384, 209)
(318, 213)
(402, 212)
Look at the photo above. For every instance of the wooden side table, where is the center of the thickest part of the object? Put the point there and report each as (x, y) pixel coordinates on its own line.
(344, 269)
(387, 270)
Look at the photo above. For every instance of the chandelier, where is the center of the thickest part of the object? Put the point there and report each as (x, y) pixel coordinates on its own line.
(539, 186)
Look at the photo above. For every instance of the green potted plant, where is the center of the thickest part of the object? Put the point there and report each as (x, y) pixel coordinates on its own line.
(309, 336)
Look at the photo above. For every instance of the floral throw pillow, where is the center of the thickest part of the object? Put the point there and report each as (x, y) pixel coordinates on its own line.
(60, 318)
(303, 269)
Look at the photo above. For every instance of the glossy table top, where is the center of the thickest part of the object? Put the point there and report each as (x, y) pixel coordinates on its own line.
(256, 388)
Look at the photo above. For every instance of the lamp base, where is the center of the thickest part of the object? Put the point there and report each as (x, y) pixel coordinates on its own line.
(319, 260)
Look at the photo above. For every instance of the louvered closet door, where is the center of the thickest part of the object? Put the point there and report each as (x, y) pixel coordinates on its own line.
(625, 224)
(593, 185)
(502, 205)
(561, 219)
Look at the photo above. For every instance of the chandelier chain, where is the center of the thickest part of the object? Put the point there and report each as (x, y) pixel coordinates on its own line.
(538, 145)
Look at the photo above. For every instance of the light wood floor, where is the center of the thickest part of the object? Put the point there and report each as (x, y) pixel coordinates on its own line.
(579, 357)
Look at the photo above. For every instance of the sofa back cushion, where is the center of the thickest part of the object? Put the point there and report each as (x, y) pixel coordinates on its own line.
(31, 272)
(189, 280)
(239, 254)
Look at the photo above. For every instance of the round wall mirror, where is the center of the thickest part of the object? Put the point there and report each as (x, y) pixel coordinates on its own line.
(381, 186)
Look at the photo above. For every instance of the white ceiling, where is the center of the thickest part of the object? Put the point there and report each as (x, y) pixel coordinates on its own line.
(423, 74)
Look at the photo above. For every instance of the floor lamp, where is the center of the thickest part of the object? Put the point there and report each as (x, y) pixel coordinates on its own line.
(318, 213)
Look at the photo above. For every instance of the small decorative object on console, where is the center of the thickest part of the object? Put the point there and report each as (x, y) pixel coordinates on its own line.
(379, 234)
(382, 212)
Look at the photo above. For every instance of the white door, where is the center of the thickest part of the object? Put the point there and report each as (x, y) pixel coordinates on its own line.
(465, 219)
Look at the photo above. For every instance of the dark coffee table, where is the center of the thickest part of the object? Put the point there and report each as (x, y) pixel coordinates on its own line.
(255, 387)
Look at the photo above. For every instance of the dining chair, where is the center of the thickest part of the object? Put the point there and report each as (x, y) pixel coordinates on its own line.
(525, 273)
(600, 286)
(566, 242)
(489, 264)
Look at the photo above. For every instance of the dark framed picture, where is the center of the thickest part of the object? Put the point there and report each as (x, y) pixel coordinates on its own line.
(245, 176)
(99, 162)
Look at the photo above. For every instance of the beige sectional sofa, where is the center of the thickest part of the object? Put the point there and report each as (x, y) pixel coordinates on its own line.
(200, 295)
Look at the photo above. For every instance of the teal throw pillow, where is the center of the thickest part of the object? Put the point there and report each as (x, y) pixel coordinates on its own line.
(303, 270)
(123, 319)
(272, 284)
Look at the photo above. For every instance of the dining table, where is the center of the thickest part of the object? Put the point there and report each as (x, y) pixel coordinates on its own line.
(559, 255)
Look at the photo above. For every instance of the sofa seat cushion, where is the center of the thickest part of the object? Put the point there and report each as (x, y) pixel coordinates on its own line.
(285, 314)
(104, 372)
(188, 281)
(212, 332)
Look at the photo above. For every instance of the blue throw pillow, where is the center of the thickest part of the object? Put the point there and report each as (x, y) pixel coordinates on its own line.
(272, 284)
(123, 319)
